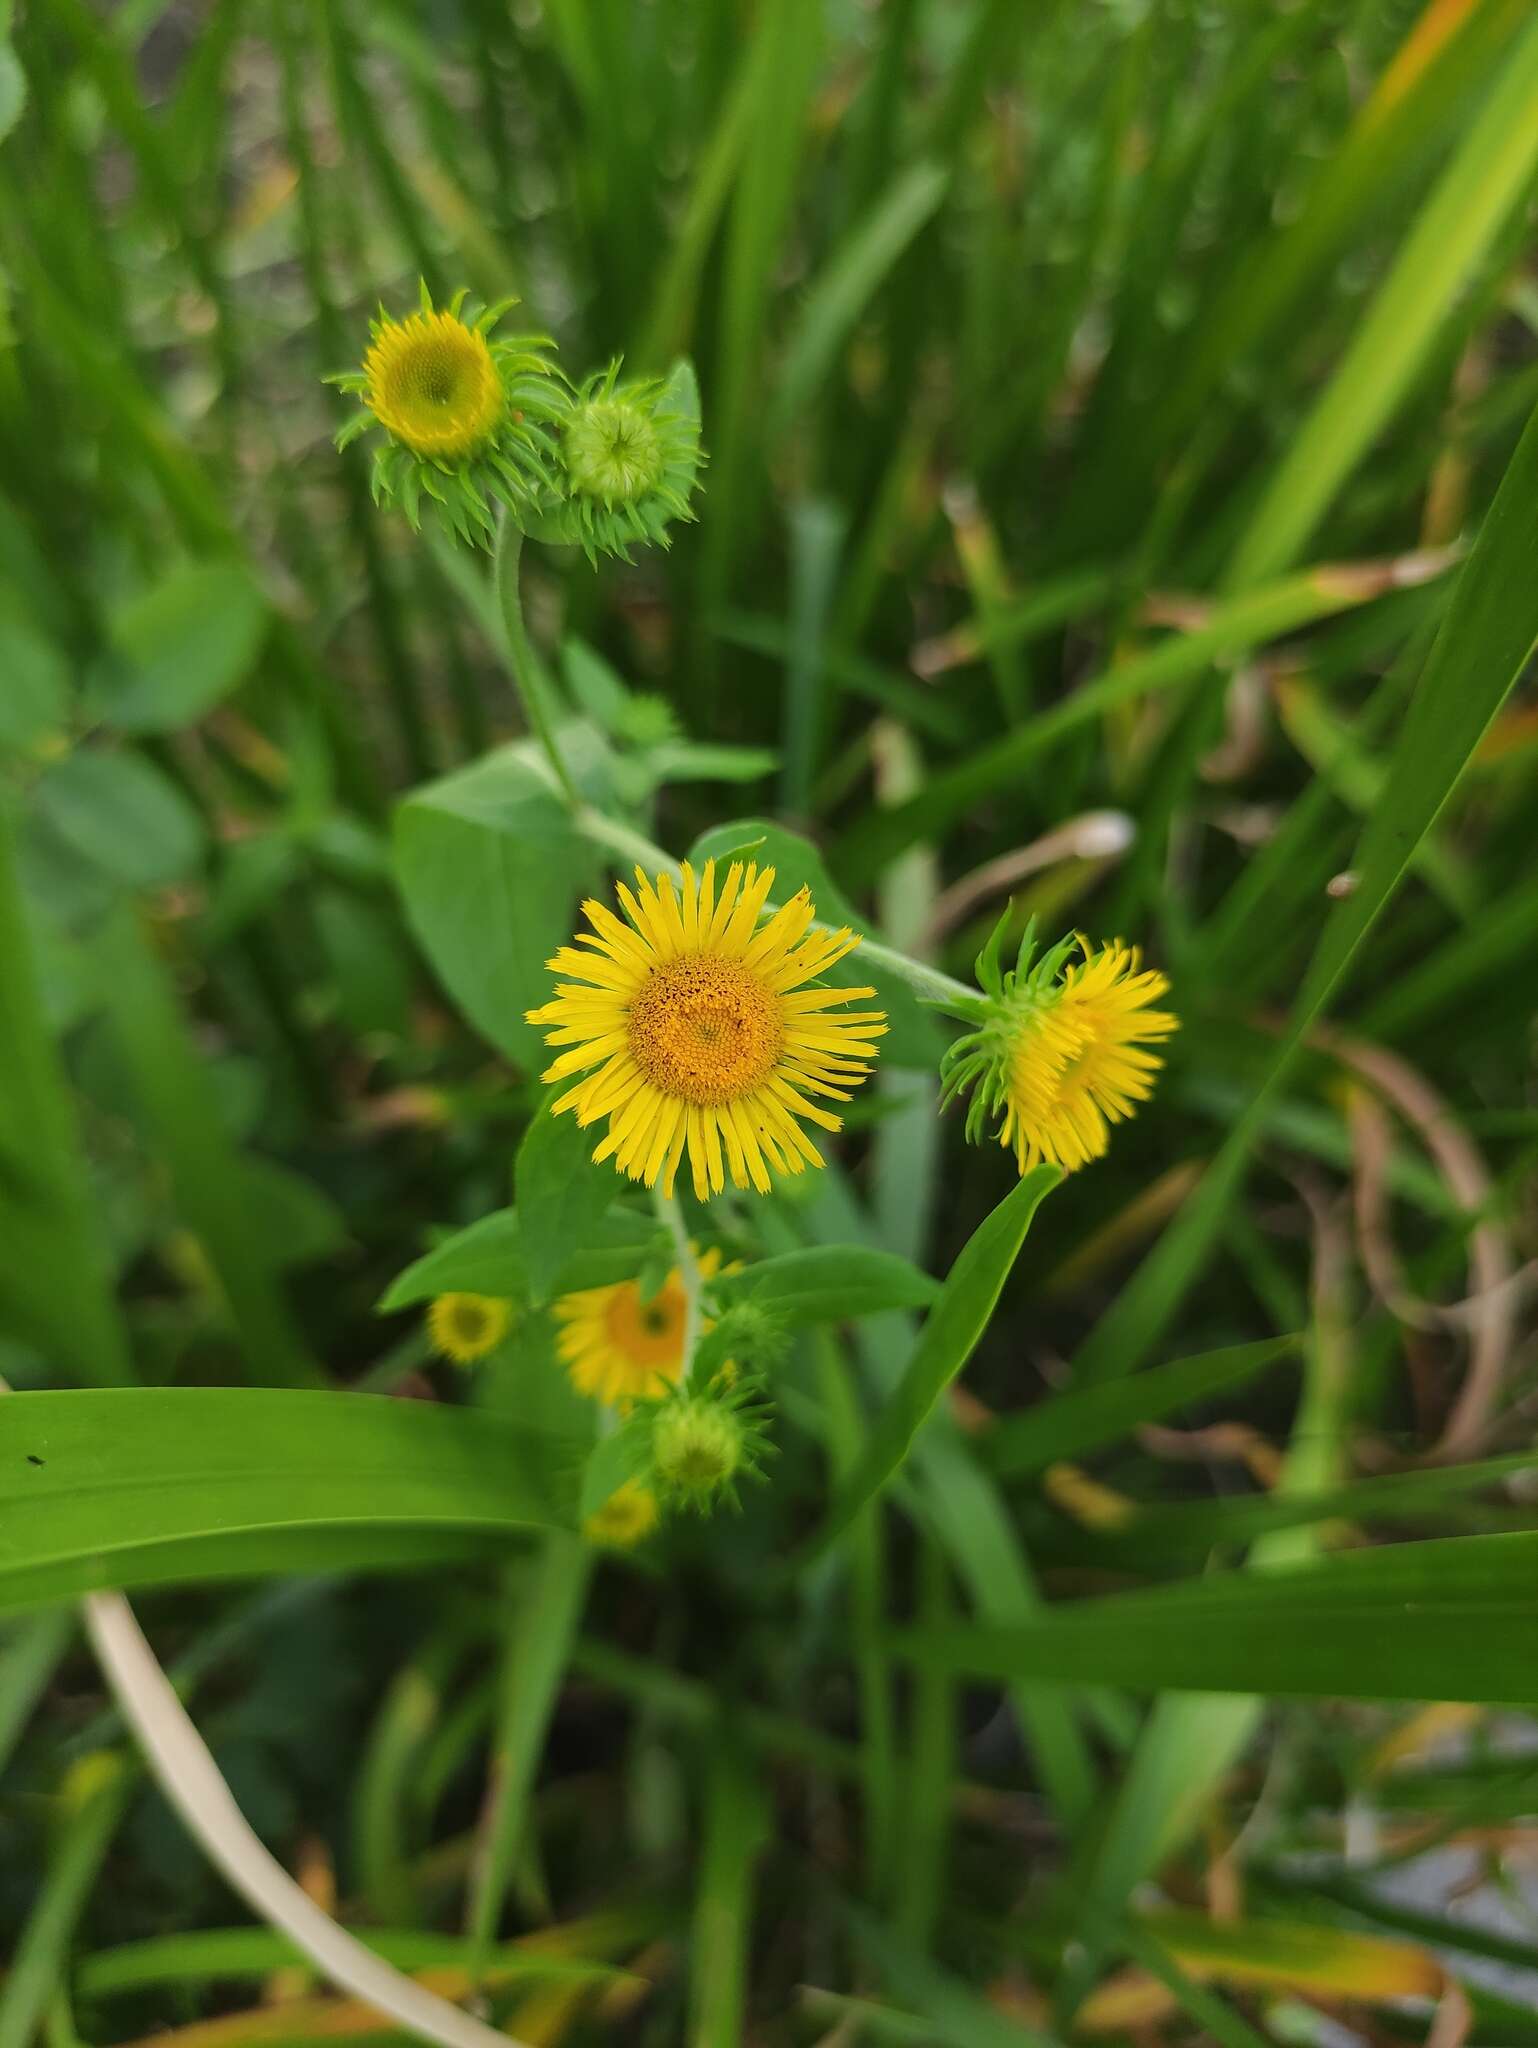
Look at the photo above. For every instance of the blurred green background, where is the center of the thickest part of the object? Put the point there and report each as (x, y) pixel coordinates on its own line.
(1102, 397)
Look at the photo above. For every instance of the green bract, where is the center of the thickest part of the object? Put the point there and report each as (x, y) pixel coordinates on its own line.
(977, 1063)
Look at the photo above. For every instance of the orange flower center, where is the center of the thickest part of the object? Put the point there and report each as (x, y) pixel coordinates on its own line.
(705, 1030)
(649, 1334)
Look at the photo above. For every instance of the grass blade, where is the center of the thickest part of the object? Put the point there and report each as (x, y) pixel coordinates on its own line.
(950, 1332)
(1489, 631)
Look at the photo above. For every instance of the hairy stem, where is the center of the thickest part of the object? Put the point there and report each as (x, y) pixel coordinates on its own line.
(688, 1273)
(537, 708)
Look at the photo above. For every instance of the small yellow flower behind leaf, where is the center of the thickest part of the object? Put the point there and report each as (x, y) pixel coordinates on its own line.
(465, 1327)
(619, 1348)
(626, 1518)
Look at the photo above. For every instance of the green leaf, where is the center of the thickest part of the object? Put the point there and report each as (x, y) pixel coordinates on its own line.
(852, 273)
(34, 701)
(946, 1342)
(55, 1278)
(484, 1258)
(127, 1485)
(181, 647)
(736, 1830)
(950, 2004)
(541, 1626)
(488, 1258)
(13, 87)
(563, 1197)
(912, 1040)
(30, 1653)
(1232, 629)
(123, 817)
(293, 1223)
(829, 1284)
(39, 1963)
(620, 1456)
(1406, 322)
(490, 867)
(219, 1196)
(692, 761)
(235, 1952)
(1068, 1425)
(1454, 1619)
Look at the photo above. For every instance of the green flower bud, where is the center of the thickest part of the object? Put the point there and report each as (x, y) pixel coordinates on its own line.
(696, 1447)
(630, 454)
(701, 1444)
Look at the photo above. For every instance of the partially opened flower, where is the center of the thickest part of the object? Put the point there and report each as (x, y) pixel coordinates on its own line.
(468, 415)
(618, 1347)
(466, 1327)
(700, 1027)
(1060, 1050)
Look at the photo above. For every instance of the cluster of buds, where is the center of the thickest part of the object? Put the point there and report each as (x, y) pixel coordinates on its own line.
(690, 1448)
(473, 420)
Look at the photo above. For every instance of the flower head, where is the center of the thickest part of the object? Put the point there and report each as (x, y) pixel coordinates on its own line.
(626, 1518)
(468, 416)
(618, 1347)
(630, 453)
(1059, 1049)
(702, 1444)
(698, 1028)
(466, 1327)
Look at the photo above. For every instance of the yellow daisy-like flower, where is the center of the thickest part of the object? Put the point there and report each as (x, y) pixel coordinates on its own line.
(626, 1518)
(432, 381)
(695, 1028)
(1077, 1065)
(1060, 1060)
(470, 416)
(466, 1327)
(618, 1348)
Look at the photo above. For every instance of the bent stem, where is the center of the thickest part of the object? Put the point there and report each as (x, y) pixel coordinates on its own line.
(956, 998)
(527, 680)
(688, 1273)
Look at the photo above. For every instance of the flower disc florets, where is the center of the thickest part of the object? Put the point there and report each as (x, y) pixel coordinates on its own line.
(469, 417)
(1058, 1049)
(630, 454)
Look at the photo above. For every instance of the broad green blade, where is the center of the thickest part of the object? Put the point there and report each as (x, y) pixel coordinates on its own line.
(103, 1488)
(950, 1333)
(1453, 1619)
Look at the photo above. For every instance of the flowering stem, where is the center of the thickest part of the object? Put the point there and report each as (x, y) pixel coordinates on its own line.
(940, 989)
(531, 689)
(688, 1274)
